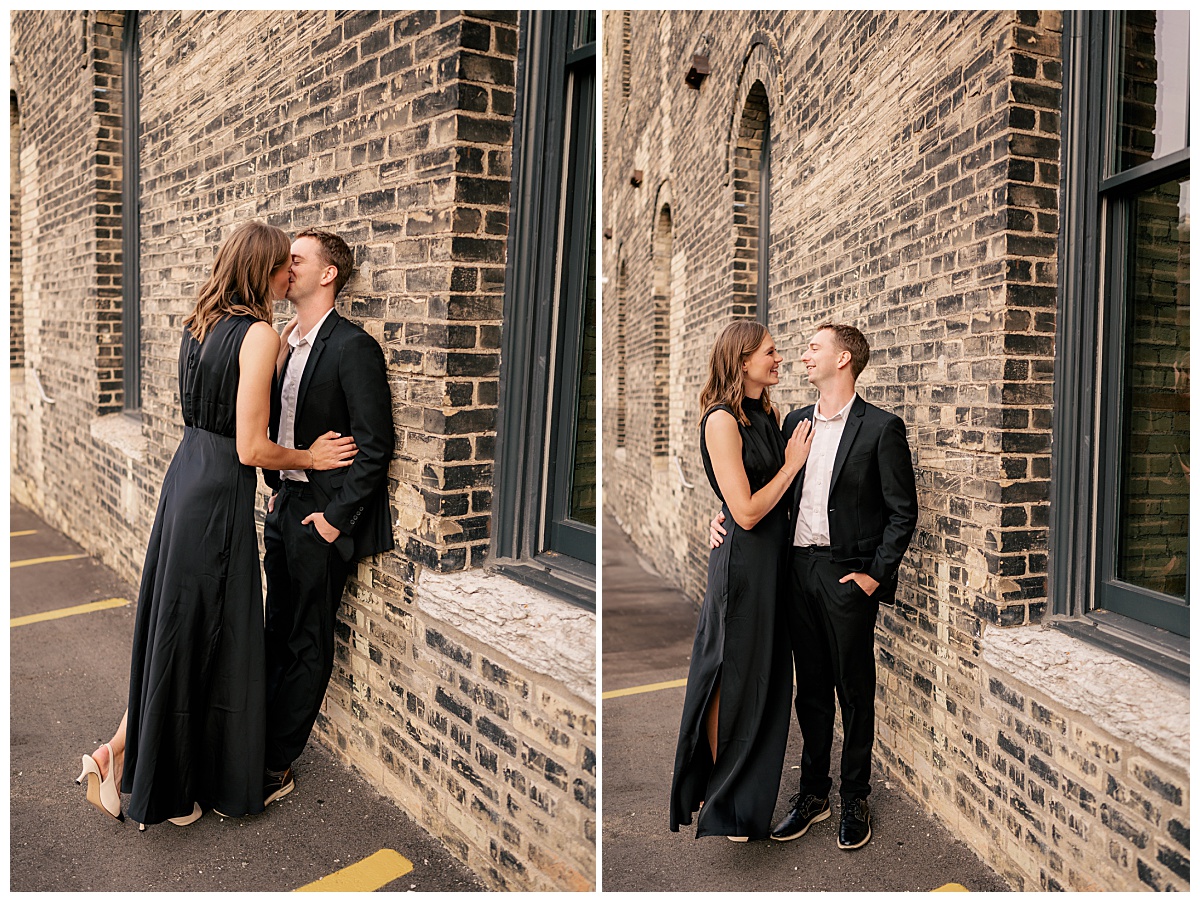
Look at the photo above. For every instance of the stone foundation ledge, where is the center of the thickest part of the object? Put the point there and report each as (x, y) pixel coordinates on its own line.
(1122, 698)
(545, 634)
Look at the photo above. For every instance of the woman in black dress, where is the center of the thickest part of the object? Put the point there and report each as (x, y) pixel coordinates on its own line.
(737, 706)
(193, 735)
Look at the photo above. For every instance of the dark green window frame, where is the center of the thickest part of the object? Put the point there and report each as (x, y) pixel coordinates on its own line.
(548, 349)
(1089, 600)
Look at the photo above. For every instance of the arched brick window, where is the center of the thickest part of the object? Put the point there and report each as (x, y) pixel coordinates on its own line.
(626, 51)
(660, 438)
(751, 209)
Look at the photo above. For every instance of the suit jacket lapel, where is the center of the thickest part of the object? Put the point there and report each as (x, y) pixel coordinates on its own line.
(314, 355)
(806, 413)
(853, 421)
(277, 399)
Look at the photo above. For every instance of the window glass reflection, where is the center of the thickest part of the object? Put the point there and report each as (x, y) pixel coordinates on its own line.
(583, 477)
(1152, 86)
(1153, 531)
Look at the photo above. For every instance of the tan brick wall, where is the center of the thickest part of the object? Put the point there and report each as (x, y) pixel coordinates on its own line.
(484, 739)
(16, 318)
(914, 192)
(393, 129)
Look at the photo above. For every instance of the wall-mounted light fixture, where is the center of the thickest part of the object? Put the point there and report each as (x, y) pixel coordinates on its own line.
(700, 70)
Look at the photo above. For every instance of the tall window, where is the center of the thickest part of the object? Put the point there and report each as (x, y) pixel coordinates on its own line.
(1123, 370)
(545, 517)
(16, 307)
(751, 211)
(661, 325)
(131, 312)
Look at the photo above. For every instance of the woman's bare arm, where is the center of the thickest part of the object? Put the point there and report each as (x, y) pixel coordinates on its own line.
(724, 442)
(257, 363)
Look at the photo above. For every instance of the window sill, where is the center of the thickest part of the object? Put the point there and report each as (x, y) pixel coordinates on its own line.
(1155, 649)
(122, 433)
(571, 580)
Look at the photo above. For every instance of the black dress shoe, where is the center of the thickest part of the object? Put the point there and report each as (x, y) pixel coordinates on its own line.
(807, 809)
(855, 829)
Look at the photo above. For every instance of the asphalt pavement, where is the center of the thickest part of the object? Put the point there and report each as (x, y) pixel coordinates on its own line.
(647, 638)
(68, 682)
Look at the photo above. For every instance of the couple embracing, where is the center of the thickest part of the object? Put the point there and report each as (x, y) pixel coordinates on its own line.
(221, 701)
(818, 514)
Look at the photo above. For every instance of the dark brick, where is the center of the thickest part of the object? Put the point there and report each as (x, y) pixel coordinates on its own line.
(1176, 863)
(496, 736)
(444, 646)
(455, 707)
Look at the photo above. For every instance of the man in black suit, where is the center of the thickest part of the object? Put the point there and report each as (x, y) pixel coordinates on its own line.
(319, 521)
(854, 510)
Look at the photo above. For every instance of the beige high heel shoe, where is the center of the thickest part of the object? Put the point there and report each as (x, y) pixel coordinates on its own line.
(197, 811)
(188, 818)
(102, 791)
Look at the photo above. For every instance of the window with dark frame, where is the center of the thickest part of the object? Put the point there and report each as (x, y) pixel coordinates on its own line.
(1120, 524)
(546, 487)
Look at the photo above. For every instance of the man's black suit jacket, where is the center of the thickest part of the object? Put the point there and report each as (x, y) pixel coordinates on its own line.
(872, 496)
(345, 388)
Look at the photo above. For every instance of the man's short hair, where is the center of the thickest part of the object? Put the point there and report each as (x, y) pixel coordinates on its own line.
(336, 252)
(850, 339)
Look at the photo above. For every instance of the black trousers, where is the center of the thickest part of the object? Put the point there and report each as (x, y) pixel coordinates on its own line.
(305, 581)
(832, 630)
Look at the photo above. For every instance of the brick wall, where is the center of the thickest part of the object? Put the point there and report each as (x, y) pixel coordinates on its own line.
(394, 130)
(914, 168)
(16, 320)
(68, 68)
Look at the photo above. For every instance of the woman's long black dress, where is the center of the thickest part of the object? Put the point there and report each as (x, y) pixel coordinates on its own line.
(197, 714)
(741, 644)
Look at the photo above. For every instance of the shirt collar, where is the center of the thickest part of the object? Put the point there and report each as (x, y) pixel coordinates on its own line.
(295, 338)
(841, 414)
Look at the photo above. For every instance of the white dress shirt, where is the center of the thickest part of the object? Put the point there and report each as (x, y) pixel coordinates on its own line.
(812, 521)
(290, 390)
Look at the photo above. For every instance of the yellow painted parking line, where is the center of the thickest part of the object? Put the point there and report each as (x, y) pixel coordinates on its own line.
(21, 532)
(372, 873)
(951, 888)
(70, 612)
(638, 690)
(45, 560)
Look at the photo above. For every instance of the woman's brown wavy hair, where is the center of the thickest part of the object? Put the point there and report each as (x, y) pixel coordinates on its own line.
(725, 384)
(240, 280)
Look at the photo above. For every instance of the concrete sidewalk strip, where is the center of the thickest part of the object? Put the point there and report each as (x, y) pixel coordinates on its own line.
(45, 560)
(372, 873)
(69, 612)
